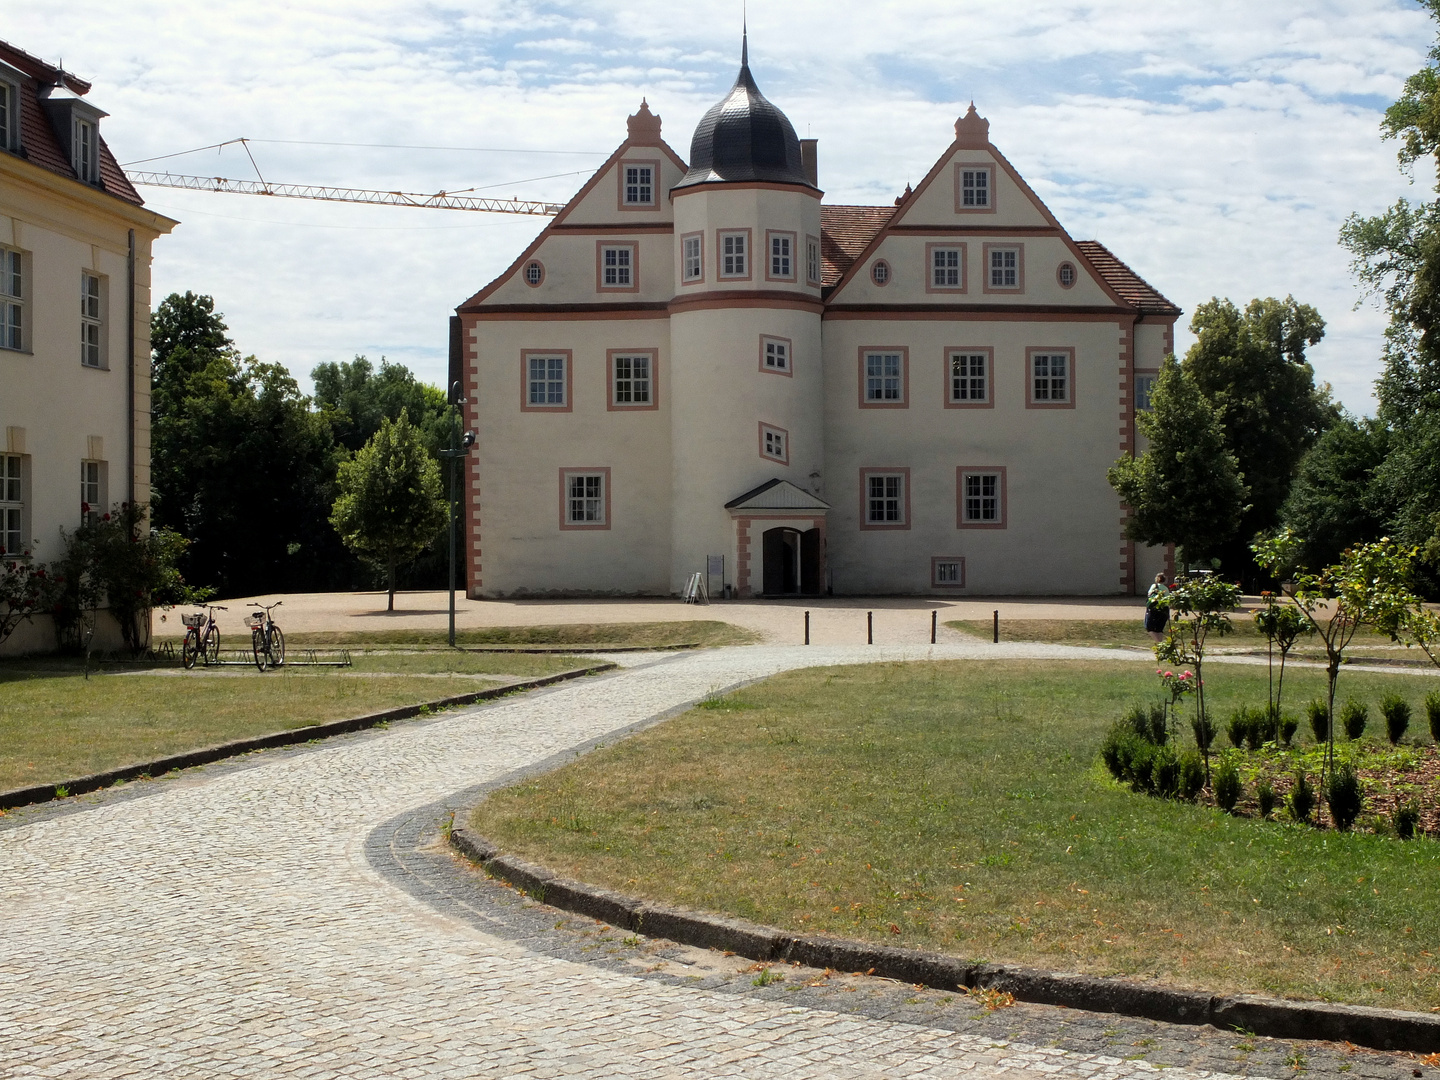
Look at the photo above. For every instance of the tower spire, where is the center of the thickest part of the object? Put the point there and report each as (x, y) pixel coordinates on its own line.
(744, 34)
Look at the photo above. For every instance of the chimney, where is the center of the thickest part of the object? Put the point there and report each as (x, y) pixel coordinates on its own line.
(808, 163)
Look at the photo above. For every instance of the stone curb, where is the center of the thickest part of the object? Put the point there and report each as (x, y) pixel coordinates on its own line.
(206, 755)
(1380, 1029)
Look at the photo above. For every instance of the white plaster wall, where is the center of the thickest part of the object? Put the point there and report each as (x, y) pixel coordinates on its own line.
(1063, 520)
(601, 204)
(569, 259)
(935, 204)
(519, 456)
(710, 207)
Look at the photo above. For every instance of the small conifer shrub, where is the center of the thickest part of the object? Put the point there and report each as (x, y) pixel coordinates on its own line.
(1432, 713)
(1343, 793)
(1353, 718)
(1396, 711)
(1265, 796)
(1319, 717)
(1192, 775)
(1227, 785)
(1405, 818)
(1302, 798)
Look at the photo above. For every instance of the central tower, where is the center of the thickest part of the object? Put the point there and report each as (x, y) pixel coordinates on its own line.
(747, 392)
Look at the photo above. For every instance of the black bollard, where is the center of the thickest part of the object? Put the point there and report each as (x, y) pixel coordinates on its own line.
(997, 626)
(807, 628)
(869, 628)
(934, 618)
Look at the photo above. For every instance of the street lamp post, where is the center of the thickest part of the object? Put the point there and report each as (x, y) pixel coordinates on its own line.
(453, 455)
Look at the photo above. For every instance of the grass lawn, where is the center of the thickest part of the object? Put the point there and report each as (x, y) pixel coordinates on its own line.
(1115, 632)
(55, 725)
(457, 661)
(961, 806)
(699, 632)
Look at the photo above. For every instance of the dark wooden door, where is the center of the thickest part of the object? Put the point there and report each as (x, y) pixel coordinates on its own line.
(773, 553)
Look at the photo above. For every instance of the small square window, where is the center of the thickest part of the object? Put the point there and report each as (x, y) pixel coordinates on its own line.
(632, 376)
(639, 185)
(775, 444)
(547, 379)
(1004, 268)
(735, 254)
(692, 256)
(775, 355)
(886, 500)
(947, 572)
(812, 260)
(947, 267)
(884, 377)
(969, 378)
(617, 266)
(1144, 388)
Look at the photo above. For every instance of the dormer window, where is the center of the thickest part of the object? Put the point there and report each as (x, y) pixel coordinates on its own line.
(9, 115)
(85, 151)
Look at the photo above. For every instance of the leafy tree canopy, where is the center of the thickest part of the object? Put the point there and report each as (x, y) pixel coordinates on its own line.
(355, 398)
(391, 504)
(1334, 502)
(186, 333)
(1251, 367)
(1186, 489)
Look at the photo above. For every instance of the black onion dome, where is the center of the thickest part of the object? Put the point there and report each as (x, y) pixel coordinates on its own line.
(744, 137)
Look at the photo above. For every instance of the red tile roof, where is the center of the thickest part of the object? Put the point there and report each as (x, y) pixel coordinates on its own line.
(844, 233)
(1133, 289)
(38, 142)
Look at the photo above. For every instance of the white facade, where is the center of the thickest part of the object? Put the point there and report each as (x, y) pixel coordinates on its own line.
(878, 474)
(74, 323)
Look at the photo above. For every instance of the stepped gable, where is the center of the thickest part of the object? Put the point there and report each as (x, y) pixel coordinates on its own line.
(845, 232)
(1133, 289)
(37, 138)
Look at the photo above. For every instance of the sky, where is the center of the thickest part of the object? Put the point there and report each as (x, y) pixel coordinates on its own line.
(1217, 148)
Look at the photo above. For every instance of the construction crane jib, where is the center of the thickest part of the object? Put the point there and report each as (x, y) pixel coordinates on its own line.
(438, 201)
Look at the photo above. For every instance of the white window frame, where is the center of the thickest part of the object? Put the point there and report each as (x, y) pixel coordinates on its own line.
(9, 115)
(632, 380)
(774, 443)
(974, 188)
(541, 380)
(93, 496)
(534, 273)
(638, 184)
(884, 380)
(780, 256)
(732, 254)
(1004, 268)
(962, 376)
(617, 267)
(92, 320)
(1052, 377)
(947, 261)
(982, 498)
(14, 290)
(12, 504)
(776, 355)
(584, 498)
(85, 149)
(947, 572)
(886, 501)
(813, 267)
(692, 258)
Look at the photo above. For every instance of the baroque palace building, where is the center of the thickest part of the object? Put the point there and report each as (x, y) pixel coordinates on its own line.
(703, 367)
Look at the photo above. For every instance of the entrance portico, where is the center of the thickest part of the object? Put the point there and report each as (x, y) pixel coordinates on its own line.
(788, 525)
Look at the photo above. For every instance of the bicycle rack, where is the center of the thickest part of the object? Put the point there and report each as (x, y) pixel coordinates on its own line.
(309, 658)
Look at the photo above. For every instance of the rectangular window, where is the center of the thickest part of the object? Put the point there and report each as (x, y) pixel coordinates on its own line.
(884, 378)
(969, 378)
(617, 266)
(947, 267)
(9, 116)
(585, 498)
(782, 256)
(735, 254)
(947, 572)
(980, 497)
(692, 256)
(1144, 387)
(885, 498)
(1004, 268)
(775, 355)
(1050, 378)
(12, 299)
(91, 327)
(639, 185)
(547, 379)
(84, 151)
(92, 489)
(631, 378)
(12, 506)
(812, 260)
(775, 444)
(974, 188)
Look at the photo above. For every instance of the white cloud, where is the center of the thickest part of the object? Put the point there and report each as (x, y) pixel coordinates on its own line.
(1216, 147)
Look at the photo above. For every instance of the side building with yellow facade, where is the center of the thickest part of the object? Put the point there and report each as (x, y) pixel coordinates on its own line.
(75, 241)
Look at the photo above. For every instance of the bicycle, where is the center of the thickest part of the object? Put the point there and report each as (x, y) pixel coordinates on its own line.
(202, 637)
(266, 640)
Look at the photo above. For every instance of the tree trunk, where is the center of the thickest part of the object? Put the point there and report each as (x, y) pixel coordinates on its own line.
(390, 571)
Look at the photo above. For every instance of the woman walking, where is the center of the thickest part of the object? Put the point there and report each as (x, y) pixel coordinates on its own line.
(1157, 608)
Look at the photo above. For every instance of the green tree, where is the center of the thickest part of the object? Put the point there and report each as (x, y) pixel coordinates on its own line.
(355, 397)
(1186, 488)
(1251, 367)
(1335, 501)
(391, 501)
(1202, 607)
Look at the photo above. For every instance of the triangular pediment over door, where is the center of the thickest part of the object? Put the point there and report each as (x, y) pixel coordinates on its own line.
(777, 494)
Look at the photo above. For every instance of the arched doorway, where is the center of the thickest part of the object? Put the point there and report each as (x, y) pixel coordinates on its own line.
(791, 565)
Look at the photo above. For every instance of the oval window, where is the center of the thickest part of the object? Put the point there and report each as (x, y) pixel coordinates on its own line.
(1066, 275)
(534, 273)
(880, 272)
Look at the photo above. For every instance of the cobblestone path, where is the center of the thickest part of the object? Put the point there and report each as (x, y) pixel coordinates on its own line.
(228, 923)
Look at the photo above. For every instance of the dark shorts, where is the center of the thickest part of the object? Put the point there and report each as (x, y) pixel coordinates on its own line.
(1156, 619)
